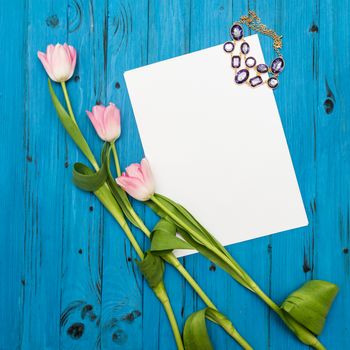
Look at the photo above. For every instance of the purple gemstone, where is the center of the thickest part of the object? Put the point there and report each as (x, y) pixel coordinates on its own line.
(237, 32)
(255, 81)
(277, 65)
(229, 46)
(272, 83)
(245, 48)
(236, 61)
(250, 62)
(241, 76)
(262, 68)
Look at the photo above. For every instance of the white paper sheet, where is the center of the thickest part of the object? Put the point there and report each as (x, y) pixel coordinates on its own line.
(216, 147)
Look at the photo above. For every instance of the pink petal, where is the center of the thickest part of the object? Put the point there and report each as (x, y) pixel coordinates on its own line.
(134, 188)
(134, 171)
(98, 111)
(43, 59)
(97, 124)
(49, 51)
(111, 122)
(73, 57)
(61, 64)
(147, 174)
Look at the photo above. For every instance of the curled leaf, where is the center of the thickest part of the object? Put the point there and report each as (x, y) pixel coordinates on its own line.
(164, 238)
(310, 304)
(199, 238)
(152, 268)
(195, 331)
(87, 179)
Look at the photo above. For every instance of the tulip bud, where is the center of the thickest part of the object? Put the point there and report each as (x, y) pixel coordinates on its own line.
(59, 61)
(138, 181)
(106, 121)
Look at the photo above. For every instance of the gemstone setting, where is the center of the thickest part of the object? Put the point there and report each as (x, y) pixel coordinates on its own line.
(277, 65)
(250, 62)
(255, 81)
(262, 68)
(236, 61)
(245, 48)
(229, 46)
(237, 32)
(245, 66)
(272, 82)
(242, 76)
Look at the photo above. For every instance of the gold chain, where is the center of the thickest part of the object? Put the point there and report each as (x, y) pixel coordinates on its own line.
(254, 22)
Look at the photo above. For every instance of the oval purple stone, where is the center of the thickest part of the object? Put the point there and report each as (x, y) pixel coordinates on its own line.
(250, 62)
(242, 76)
(237, 32)
(255, 81)
(262, 68)
(229, 46)
(245, 48)
(236, 62)
(277, 65)
(272, 82)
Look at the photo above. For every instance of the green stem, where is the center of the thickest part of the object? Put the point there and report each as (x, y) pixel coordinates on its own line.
(105, 196)
(236, 336)
(107, 199)
(116, 160)
(301, 332)
(218, 252)
(171, 259)
(240, 340)
(164, 299)
(66, 97)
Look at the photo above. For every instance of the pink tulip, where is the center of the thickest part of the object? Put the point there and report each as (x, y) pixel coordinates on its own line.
(59, 61)
(106, 121)
(138, 181)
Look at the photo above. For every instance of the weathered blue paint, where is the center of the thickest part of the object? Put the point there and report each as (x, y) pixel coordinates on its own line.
(68, 278)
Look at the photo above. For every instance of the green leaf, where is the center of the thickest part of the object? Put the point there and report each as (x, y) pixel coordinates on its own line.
(195, 332)
(118, 193)
(196, 336)
(310, 304)
(164, 240)
(87, 179)
(152, 267)
(71, 127)
(199, 238)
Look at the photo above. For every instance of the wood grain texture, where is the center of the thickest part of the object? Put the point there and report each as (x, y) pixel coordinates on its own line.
(67, 274)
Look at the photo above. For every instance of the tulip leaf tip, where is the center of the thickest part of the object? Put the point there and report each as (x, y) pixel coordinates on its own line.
(310, 304)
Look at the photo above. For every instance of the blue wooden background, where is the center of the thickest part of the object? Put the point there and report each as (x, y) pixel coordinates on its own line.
(67, 276)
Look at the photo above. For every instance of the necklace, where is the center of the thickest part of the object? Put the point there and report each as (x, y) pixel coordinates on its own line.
(242, 75)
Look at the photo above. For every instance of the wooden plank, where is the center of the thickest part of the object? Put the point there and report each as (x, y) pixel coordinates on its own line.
(210, 25)
(44, 186)
(125, 47)
(332, 105)
(291, 252)
(168, 36)
(13, 157)
(82, 265)
(250, 315)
